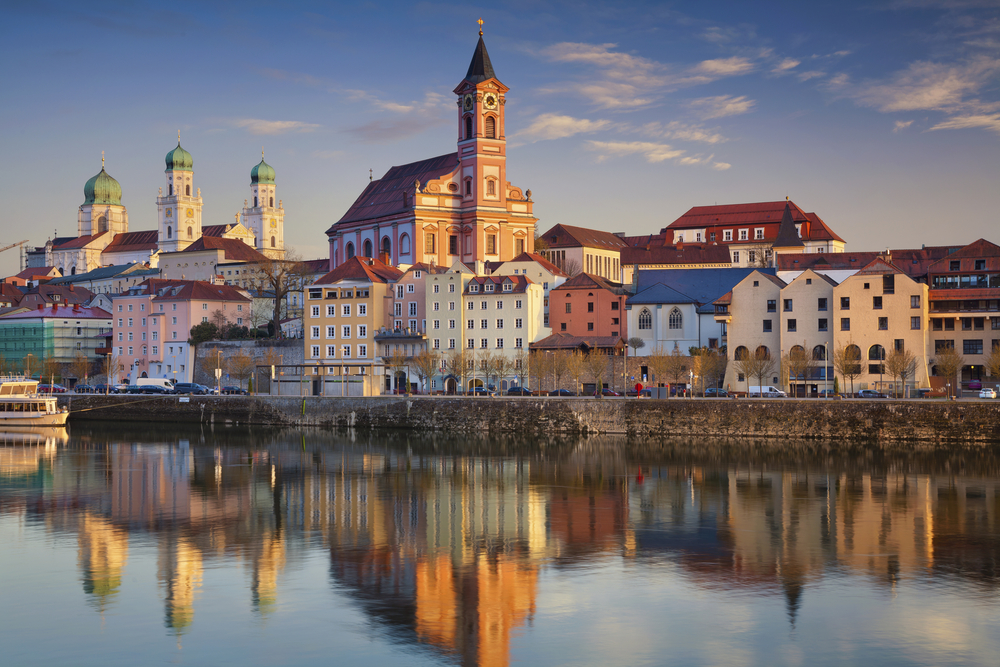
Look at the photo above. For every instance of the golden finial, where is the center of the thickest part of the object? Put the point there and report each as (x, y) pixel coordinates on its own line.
(261, 153)
(178, 137)
(370, 174)
(102, 160)
(480, 22)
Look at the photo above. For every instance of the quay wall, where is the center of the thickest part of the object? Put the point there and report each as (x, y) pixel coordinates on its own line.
(929, 421)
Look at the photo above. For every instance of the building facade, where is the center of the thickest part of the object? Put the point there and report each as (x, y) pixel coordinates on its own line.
(56, 331)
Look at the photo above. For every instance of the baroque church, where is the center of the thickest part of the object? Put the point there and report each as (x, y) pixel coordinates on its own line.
(103, 236)
(454, 207)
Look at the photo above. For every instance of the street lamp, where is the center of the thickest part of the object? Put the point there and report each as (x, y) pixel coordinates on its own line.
(690, 381)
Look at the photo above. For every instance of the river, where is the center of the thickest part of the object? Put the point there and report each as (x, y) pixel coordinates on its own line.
(125, 545)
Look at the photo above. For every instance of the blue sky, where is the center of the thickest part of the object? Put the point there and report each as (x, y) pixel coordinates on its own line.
(883, 116)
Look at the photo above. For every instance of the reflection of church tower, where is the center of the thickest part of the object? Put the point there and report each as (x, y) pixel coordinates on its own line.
(179, 212)
(102, 556)
(268, 561)
(263, 218)
(179, 572)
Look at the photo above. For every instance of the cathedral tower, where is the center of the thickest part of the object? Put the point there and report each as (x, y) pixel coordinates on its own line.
(102, 209)
(263, 218)
(180, 210)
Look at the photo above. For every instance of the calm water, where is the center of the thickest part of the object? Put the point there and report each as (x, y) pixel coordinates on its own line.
(239, 547)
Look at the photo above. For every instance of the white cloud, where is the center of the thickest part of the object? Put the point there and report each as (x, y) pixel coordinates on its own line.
(901, 125)
(261, 126)
(928, 86)
(721, 166)
(785, 65)
(988, 121)
(653, 152)
(721, 106)
(682, 132)
(554, 126)
(811, 74)
(721, 67)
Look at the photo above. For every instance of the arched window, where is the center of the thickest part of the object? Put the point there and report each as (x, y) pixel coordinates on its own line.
(187, 190)
(797, 351)
(819, 353)
(255, 202)
(349, 250)
(170, 189)
(386, 246)
(273, 242)
(876, 353)
(468, 127)
(368, 248)
(491, 127)
(404, 244)
(102, 224)
(762, 352)
(645, 319)
(190, 233)
(270, 201)
(468, 187)
(741, 353)
(675, 320)
(72, 271)
(853, 353)
(491, 187)
(170, 233)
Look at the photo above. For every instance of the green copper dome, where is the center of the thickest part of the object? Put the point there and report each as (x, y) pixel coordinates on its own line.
(102, 189)
(262, 173)
(179, 160)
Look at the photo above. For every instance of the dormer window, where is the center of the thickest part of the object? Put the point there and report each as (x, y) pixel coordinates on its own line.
(473, 288)
(489, 287)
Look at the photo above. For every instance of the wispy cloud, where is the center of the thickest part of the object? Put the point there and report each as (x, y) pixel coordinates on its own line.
(901, 125)
(722, 67)
(785, 65)
(811, 74)
(965, 122)
(928, 86)
(721, 106)
(554, 126)
(679, 131)
(387, 130)
(651, 152)
(261, 126)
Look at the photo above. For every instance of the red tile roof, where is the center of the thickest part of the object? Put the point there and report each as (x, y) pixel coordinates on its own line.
(879, 266)
(979, 249)
(590, 281)
(567, 236)
(520, 284)
(760, 213)
(687, 253)
(187, 290)
(133, 241)
(77, 242)
(384, 196)
(361, 269)
(38, 272)
(561, 341)
(532, 257)
(233, 249)
(61, 311)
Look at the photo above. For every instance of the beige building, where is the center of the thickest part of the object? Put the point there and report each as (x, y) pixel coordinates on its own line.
(753, 321)
(806, 306)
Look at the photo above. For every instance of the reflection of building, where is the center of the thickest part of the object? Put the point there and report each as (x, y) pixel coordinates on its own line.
(179, 571)
(102, 556)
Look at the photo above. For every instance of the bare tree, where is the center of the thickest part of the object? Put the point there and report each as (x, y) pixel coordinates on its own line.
(239, 366)
(678, 366)
(502, 367)
(992, 362)
(30, 364)
(598, 364)
(457, 366)
(212, 362)
(949, 363)
(797, 362)
(398, 362)
(559, 366)
(51, 369)
(900, 364)
(659, 363)
(426, 366)
(111, 367)
(571, 267)
(221, 322)
(847, 362)
(576, 368)
(522, 365)
(80, 366)
(276, 279)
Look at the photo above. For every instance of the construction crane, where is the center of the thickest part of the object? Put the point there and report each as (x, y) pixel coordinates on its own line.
(13, 245)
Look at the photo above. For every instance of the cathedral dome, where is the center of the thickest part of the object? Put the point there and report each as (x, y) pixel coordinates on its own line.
(102, 189)
(262, 173)
(179, 159)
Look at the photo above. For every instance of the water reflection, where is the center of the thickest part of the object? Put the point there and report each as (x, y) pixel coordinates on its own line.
(443, 543)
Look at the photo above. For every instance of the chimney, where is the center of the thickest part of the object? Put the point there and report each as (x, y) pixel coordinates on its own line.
(41, 306)
(76, 308)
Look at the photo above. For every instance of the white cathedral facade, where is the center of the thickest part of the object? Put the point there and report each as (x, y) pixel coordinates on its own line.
(103, 236)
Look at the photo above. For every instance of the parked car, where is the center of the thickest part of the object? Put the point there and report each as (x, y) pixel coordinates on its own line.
(607, 392)
(871, 393)
(519, 391)
(83, 389)
(562, 392)
(986, 392)
(975, 384)
(51, 389)
(190, 388)
(234, 391)
(481, 391)
(105, 389)
(713, 392)
(826, 393)
(152, 389)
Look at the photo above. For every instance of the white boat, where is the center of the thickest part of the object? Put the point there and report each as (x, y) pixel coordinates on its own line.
(22, 406)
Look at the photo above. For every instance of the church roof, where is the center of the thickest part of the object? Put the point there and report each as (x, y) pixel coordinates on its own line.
(75, 241)
(702, 285)
(234, 249)
(385, 196)
(480, 69)
(788, 236)
(102, 189)
(99, 273)
(361, 269)
(133, 242)
(215, 230)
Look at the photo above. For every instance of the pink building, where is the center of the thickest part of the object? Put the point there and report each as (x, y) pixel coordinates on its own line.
(588, 305)
(152, 322)
(409, 307)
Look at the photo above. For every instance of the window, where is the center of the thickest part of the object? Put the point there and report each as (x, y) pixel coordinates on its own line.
(437, 343)
(845, 303)
(791, 325)
(758, 233)
(345, 331)
(876, 303)
(470, 324)
(437, 288)
(314, 311)
(174, 320)
(315, 332)
(772, 305)
(484, 343)
(472, 305)
(590, 306)
(491, 244)
(942, 345)
(508, 287)
(451, 324)
(888, 284)
(968, 347)
(883, 323)
(345, 352)
(954, 265)
(590, 326)
(499, 305)
(437, 324)
(915, 301)
(204, 306)
(767, 326)
(517, 304)
(453, 244)
(517, 323)
(491, 185)
(744, 234)
(915, 323)
(484, 324)
(518, 343)
(451, 343)
(331, 331)
(675, 320)
(821, 304)
(119, 308)
(471, 344)
(727, 235)
(787, 305)
(499, 343)
(821, 325)
(409, 287)
(614, 305)
(397, 309)
(562, 326)
(499, 324)
(482, 305)
(362, 331)
(845, 324)
(451, 290)
(736, 257)
(130, 321)
(569, 309)
(645, 318)
(156, 349)
(473, 289)
(429, 242)
(345, 310)
(413, 308)
(899, 344)
(314, 351)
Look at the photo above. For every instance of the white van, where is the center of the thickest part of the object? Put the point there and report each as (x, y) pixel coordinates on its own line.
(766, 392)
(158, 382)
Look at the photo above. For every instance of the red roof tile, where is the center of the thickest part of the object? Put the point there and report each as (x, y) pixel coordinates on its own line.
(561, 341)
(134, 241)
(760, 213)
(590, 281)
(535, 257)
(77, 242)
(234, 249)
(567, 236)
(687, 253)
(361, 269)
(186, 290)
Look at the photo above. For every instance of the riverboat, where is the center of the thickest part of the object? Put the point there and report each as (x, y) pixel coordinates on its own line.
(22, 406)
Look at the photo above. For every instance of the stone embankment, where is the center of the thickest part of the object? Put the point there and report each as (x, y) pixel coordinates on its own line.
(971, 422)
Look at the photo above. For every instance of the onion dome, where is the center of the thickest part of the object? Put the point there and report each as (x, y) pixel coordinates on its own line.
(102, 189)
(262, 173)
(179, 160)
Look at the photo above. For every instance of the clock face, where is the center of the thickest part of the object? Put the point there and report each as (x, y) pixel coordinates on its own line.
(169, 213)
(190, 213)
(274, 223)
(490, 101)
(468, 102)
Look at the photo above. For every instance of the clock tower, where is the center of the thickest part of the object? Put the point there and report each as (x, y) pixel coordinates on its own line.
(179, 212)
(266, 216)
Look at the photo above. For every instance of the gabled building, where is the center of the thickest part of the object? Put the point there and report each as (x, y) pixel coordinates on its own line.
(454, 207)
(589, 306)
(578, 249)
(537, 268)
(750, 312)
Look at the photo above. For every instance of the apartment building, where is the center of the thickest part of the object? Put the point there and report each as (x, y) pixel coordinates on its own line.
(57, 331)
(750, 312)
(588, 305)
(576, 249)
(805, 307)
(444, 302)
(537, 268)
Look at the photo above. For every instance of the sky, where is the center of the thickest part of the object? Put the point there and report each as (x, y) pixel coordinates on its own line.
(882, 116)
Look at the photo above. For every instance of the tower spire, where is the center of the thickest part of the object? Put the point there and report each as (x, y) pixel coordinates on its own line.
(480, 22)
(102, 160)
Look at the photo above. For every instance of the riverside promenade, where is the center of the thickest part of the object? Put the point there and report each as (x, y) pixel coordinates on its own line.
(847, 421)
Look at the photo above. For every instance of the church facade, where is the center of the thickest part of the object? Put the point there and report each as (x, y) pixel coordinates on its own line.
(103, 235)
(454, 207)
